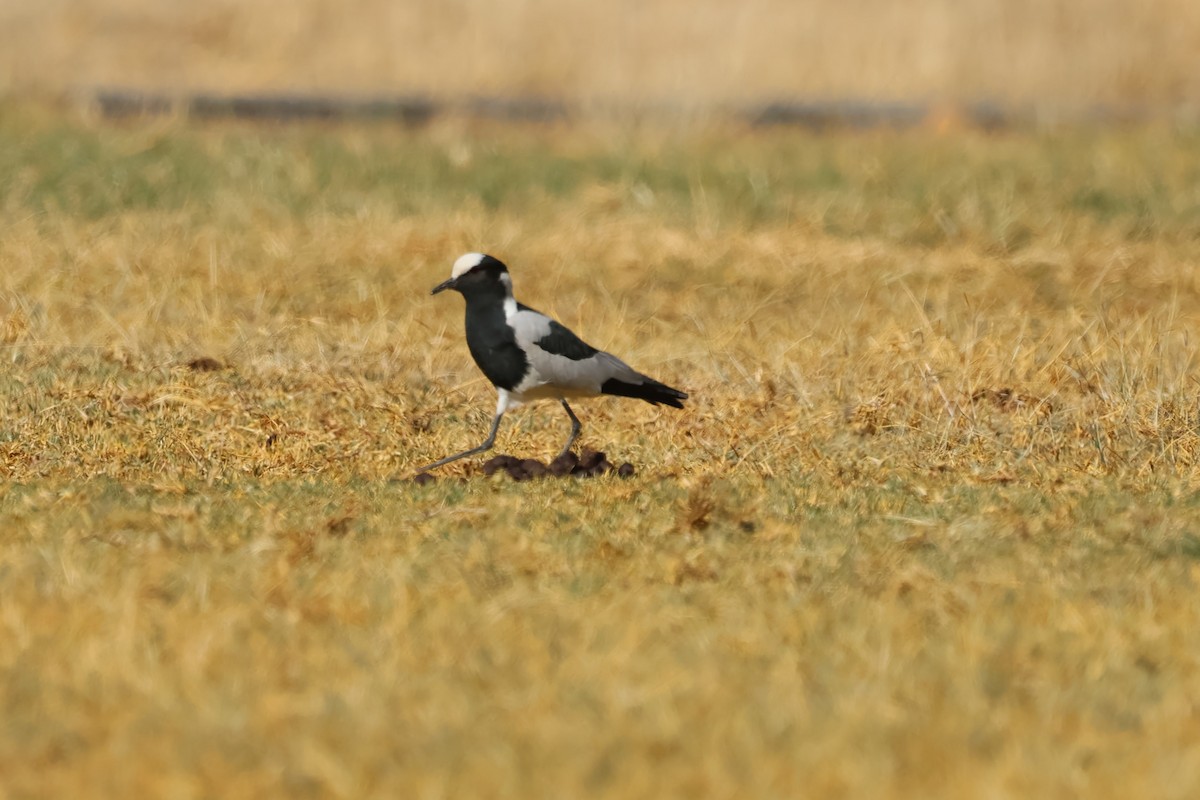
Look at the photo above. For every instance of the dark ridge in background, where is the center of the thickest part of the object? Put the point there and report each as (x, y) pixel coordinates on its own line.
(415, 111)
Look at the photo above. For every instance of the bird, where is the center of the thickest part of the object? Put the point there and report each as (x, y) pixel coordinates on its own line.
(529, 356)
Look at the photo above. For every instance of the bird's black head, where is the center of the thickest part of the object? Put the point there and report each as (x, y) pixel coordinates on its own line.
(477, 273)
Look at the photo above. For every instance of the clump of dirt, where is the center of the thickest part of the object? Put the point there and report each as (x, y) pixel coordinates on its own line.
(205, 364)
(588, 464)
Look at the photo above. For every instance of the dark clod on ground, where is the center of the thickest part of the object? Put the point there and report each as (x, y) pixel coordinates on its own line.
(564, 464)
(533, 468)
(497, 463)
(205, 364)
(590, 460)
(588, 464)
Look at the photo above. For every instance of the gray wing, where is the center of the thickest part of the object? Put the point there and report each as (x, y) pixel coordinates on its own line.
(560, 359)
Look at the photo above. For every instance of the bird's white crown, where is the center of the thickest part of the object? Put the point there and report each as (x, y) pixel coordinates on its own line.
(466, 263)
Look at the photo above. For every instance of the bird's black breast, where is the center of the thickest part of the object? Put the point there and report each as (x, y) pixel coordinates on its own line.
(493, 345)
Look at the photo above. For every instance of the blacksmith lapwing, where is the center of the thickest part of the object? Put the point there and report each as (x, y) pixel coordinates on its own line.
(528, 356)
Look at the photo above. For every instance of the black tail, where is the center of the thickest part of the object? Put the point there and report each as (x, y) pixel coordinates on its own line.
(649, 390)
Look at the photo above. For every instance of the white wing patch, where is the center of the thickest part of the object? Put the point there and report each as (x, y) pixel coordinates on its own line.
(528, 325)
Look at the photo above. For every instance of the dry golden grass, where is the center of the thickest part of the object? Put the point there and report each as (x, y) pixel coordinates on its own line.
(927, 528)
(1056, 55)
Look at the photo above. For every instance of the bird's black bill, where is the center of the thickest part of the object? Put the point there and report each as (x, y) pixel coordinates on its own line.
(443, 286)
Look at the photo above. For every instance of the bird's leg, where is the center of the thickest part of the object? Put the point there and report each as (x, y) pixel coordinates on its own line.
(487, 445)
(575, 427)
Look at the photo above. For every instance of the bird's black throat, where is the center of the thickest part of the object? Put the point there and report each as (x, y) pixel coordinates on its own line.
(491, 340)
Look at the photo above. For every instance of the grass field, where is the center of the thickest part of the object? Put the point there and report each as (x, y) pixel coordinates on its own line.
(929, 526)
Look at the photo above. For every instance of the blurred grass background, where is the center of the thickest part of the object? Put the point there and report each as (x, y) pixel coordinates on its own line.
(928, 526)
(1056, 56)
